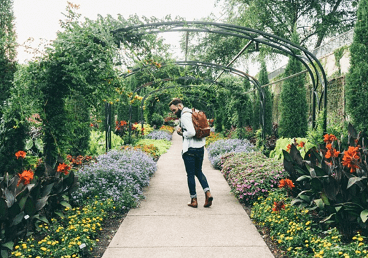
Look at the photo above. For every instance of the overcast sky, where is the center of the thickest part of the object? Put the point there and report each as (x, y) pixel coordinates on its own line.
(39, 19)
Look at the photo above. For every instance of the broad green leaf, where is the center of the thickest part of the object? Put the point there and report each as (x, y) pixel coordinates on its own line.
(39, 144)
(30, 207)
(325, 199)
(320, 204)
(44, 219)
(60, 214)
(10, 198)
(4, 254)
(364, 215)
(29, 144)
(353, 180)
(66, 204)
(47, 190)
(22, 202)
(301, 178)
(9, 245)
(40, 203)
(327, 218)
(3, 208)
(18, 219)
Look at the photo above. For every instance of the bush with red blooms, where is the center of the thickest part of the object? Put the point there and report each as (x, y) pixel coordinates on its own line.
(333, 181)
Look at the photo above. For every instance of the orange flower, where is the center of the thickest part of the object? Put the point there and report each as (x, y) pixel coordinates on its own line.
(351, 158)
(21, 154)
(301, 144)
(328, 138)
(25, 177)
(63, 168)
(288, 148)
(331, 152)
(286, 183)
(278, 206)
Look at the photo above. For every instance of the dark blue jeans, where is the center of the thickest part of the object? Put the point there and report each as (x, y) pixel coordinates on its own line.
(193, 160)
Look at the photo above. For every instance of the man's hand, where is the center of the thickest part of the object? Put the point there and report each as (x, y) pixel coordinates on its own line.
(179, 131)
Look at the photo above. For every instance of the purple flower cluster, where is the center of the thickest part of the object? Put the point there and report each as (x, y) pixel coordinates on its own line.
(252, 174)
(117, 175)
(159, 135)
(221, 147)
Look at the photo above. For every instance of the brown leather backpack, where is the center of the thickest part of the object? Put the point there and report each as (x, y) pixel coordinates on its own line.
(200, 124)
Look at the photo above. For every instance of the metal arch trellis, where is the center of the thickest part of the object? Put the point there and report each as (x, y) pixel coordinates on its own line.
(205, 64)
(207, 104)
(251, 79)
(310, 62)
(157, 90)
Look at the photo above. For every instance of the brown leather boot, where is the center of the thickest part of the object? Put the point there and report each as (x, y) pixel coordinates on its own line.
(193, 203)
(209, 200)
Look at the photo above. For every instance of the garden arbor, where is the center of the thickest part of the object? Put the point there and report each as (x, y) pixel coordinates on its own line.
(237, 72)
(255, 39)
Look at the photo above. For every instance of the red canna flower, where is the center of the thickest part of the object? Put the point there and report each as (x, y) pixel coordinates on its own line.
(63, 168)
(25, 177)
(21, 154)
(328, 138)
(288, 148)
(301, 144)
(278, 206)
(332, 153)
(286, 183)
(351, 158)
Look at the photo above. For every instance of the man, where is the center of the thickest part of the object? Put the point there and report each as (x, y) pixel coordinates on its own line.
(192, 153)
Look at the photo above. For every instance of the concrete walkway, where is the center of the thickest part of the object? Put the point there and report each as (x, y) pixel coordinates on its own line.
(164, 226)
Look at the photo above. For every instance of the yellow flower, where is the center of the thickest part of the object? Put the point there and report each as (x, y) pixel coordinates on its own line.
(360, 239)
(18, 254)
(43, 248)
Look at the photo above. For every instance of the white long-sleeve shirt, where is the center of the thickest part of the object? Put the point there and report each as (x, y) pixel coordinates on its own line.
(186, 124)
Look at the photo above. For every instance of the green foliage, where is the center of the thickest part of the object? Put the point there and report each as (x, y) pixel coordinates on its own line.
(161, 145)
(97, 142)
(7, 50)
(293, 107)
(283, 144)
(333, 183)
(357, 78)
(297, 233)
(157, 120)
(323, 17)
(27, 199)
(251, 175)
(74, 232)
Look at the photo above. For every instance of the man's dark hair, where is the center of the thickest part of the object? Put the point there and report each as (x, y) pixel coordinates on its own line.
(175, 102)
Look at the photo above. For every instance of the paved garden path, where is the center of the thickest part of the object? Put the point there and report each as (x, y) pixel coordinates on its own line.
(164, 226)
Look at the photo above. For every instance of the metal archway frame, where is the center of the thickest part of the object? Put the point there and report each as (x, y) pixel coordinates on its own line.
(310, 62)
(255, 82)
(186, 94)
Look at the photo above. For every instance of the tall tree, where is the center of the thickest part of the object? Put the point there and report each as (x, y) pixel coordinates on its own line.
(7, 50)
(314, 19)
(357, 79)
(293, 121)
(263, 80)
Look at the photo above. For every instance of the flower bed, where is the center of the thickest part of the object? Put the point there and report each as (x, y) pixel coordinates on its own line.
(73, 234)
(160, 135)
(251, 175)
(221, 147)
(117, 175)
(298, 234)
